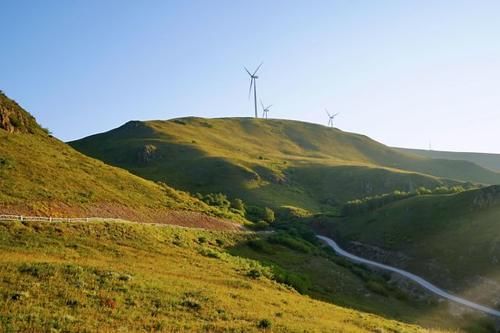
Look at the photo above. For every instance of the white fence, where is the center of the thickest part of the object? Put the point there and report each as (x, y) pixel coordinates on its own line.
(22, 218)
(53, 219)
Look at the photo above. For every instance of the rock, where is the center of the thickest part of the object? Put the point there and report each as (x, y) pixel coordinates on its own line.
(13, 118)
(146, 154)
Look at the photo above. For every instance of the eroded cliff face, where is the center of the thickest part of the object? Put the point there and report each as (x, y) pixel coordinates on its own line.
(13, 118)
(487, 197)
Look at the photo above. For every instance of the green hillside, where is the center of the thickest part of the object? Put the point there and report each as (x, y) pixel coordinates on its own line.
(488, 161)
(41, 175)
(452, 240)
(271, 162)
(112, 277)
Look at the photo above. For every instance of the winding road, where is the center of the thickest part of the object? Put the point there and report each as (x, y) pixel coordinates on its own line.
(427, 285)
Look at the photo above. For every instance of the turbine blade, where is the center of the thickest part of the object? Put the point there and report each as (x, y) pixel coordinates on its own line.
(262, 104)
(247, 71)
(269, 107)
(328, 113)
(335, 115)
(257, 68)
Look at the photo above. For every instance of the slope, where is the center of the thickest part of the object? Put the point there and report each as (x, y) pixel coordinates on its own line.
(488, 161)
(41, 175)
(271, 162)
(453, 240)
(66, 277)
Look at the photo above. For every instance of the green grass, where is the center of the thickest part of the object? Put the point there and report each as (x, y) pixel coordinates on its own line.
(132, 277)
(40, 175)
(452, 240)
(271, 162)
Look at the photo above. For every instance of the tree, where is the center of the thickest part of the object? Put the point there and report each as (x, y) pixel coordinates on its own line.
(238, 204)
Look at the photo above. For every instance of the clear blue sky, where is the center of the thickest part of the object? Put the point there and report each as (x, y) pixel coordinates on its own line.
(402, 72)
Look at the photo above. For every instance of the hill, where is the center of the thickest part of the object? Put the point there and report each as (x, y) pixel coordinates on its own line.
(41, 175)
(488, 161)
(271, 162)
(66, 277)
(452, 240)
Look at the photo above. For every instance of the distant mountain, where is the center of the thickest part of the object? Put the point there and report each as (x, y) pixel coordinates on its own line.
(43, 176)
(271, 162)
(488, 161)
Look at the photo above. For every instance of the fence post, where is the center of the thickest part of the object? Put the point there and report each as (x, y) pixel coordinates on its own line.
(21, 218)
(50, 218)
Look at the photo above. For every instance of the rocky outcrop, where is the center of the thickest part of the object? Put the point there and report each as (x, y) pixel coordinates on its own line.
(13, 118)
(146, 154)
(487, 197)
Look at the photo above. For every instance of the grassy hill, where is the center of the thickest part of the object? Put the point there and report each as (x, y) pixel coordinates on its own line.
(488, 161)
(452, 240)
(271, 162)
(67, 277)
(43, 176)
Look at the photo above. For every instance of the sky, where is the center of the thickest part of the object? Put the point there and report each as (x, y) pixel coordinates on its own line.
(406, 73)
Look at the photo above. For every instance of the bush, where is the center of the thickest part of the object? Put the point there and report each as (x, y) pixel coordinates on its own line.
(215, 199)
(264, 323)
(268, 215)
(261, 225)
(368, 204)
(254, 273)
(296, 281)
(290, 242)
(255, 214)
(238, 204)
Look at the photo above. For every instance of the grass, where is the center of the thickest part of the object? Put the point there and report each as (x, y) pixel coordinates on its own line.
(452, 240)
(271, 162)
(317, 272)
(486, 160)
(131, 277)
(40, 175)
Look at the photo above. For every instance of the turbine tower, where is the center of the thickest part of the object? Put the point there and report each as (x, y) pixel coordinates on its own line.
(253, 78)
(265, 109)
(331, 117)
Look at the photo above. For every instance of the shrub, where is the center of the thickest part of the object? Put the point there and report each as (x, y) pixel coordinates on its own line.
(191, 304)
(254, 273)
(264, 323)
(296, 281)
(238, 204)
(290, 242)
(215, 199)
(268, 215)
(423, 191)
(261, 225)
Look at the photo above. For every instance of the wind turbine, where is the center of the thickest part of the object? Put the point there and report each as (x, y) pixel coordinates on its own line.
(331, 117)
(265, 109)
(253, 82)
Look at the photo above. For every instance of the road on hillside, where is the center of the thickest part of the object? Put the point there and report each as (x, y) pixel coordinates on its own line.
(427, 285)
